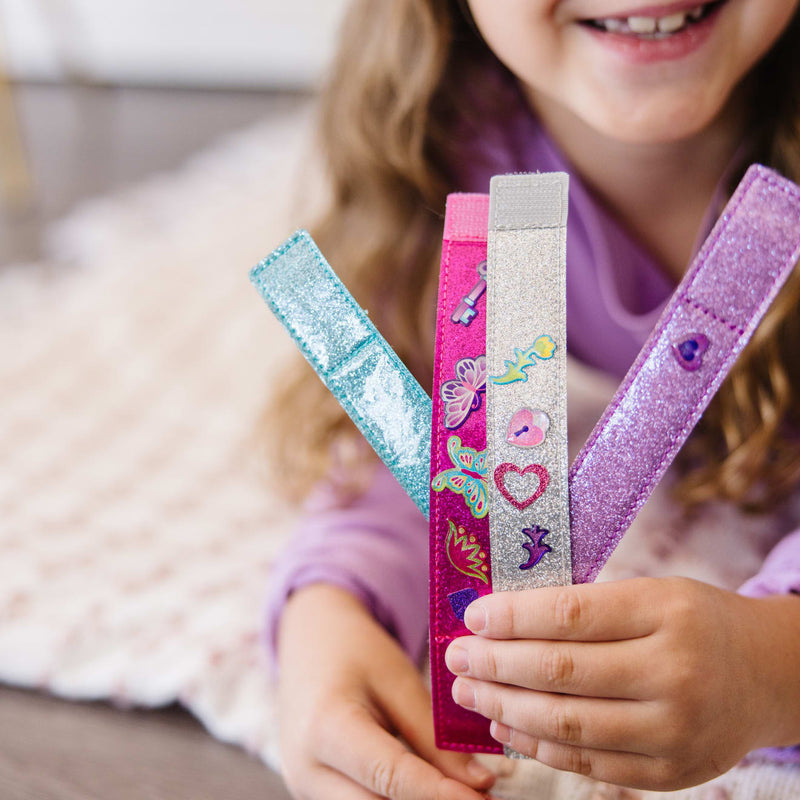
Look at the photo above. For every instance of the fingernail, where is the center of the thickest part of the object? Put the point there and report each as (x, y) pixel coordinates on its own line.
(500, 732)
(478, 772)
(476, 618)
(463, 694)
(457, 659)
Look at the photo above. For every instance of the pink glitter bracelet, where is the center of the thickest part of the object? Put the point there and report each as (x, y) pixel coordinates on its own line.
(460, 568)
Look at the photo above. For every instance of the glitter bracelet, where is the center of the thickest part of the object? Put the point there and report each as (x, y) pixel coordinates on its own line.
(460, 568)
(526, 401)
(744, 262)
(355, 362)
(527, 386)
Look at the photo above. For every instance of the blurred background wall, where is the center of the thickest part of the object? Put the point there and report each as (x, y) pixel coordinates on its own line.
(201, 43)
(98, 94)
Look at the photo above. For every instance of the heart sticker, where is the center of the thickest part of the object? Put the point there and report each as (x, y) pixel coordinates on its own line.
(527, 428)
(537, 469)
(689, 352)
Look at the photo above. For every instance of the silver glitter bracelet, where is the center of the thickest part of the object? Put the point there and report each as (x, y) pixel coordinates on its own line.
(526, 393)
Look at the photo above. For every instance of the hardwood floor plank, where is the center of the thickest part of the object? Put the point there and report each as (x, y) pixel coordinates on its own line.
(52, 749)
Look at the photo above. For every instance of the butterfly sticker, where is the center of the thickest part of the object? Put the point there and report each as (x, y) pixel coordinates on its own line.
(467, 477)
(462, 396)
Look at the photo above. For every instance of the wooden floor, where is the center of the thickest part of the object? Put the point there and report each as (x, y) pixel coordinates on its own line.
(82, 142)
(52, 749)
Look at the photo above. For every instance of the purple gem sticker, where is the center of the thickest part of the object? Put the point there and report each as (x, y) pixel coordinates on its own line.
(537, 548)
(460, 600)
(689, 351)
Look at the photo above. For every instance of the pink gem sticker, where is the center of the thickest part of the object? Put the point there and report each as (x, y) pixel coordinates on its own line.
(527, 428)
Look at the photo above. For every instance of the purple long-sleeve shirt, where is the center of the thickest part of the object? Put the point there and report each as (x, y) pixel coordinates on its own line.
(377, 548)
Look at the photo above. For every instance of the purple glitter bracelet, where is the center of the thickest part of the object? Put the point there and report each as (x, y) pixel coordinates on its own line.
(712, 315)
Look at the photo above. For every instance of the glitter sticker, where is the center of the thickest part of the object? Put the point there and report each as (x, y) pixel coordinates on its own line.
(465, 311)
(467, 477)
(689, 351)
(536, 547)
(465, 553)
(460, 600)
(544, 348)
(543, 480)
(527, 428)
(462, 396)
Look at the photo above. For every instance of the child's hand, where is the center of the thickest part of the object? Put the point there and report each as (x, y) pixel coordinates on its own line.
(650, 683)
(345, 689)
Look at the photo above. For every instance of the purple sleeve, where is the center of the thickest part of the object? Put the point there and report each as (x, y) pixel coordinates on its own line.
(779, 574)
(376, 548)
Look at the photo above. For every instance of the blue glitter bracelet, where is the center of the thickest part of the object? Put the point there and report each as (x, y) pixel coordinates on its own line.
(355, 362)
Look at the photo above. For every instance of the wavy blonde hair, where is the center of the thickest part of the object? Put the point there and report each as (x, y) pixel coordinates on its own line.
(386, 130)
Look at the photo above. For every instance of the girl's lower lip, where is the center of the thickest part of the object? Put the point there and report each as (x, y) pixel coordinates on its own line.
(641, 50)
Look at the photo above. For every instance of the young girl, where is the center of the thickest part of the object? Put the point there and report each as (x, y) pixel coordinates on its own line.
(655, 109)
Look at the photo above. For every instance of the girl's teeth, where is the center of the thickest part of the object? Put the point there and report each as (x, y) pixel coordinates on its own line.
(649, 26)
(672, 23)
(642, 24)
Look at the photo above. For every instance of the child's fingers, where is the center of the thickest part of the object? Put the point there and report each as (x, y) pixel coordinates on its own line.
(584, 612)
(377, 761)
(407, 703)
(328, 784)
(623, 769)
(590, 669)
(625, 725)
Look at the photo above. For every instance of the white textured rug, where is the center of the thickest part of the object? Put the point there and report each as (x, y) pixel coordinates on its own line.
(137, 528)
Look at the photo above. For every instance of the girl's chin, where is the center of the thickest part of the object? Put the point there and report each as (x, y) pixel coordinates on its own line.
(634, 117)
(649, 132)
(655, 123)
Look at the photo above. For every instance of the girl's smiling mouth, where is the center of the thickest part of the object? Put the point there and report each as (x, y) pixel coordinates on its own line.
(657, 33)
(643, 25)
